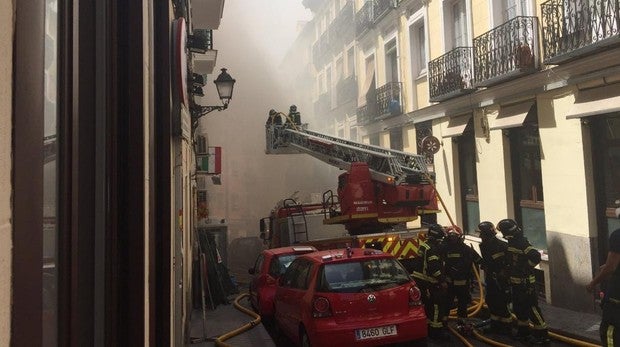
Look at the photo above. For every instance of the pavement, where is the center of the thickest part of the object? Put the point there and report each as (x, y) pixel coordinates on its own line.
(225, 318)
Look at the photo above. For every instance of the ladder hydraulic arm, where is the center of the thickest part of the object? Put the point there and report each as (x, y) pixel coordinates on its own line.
(386, 165)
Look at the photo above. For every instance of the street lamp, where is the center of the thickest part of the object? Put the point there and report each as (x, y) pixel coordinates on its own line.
(224, 84)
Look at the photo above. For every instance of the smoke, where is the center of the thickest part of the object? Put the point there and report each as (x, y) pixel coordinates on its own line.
(251, 41)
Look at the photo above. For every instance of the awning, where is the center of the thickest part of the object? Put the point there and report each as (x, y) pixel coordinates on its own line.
(369, 78)
(595, 101)
(456, 126)
(512, 116)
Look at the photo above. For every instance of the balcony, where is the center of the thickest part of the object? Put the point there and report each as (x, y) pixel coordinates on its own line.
(363, 18)
(323, 105)
(346, 90)
(372, 12)
(506, 52)
(572, 31)
(321, 50)
(385, 101)
(341, 31)
(451, 74)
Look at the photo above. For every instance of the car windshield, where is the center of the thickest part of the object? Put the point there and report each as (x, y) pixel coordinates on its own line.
(362, 276)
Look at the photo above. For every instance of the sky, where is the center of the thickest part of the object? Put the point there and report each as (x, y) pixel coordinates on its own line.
(272, 24)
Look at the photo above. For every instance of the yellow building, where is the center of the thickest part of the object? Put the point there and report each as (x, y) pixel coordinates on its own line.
(523, 97)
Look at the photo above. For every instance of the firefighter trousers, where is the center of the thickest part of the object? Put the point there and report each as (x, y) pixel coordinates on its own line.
(610, 325)
(463, 297)
(525, 307)
(435, 307)
(497, 298)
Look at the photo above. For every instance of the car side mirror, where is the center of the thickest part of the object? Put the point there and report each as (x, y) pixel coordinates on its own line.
(251, 271)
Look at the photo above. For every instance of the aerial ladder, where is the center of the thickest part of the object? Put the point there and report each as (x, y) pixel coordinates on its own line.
(380, 188)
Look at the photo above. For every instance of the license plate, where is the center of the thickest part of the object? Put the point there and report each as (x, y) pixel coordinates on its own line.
(373, 333)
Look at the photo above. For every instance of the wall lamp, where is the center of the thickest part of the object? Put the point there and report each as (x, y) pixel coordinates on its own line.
(224, 84)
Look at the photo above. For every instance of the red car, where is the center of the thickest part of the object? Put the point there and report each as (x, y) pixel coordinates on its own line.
(349, 297)
(269, 266)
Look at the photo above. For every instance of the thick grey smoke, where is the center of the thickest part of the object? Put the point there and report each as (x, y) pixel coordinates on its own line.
(253, 37)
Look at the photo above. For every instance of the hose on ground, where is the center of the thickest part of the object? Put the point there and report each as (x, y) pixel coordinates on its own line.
(220, 340)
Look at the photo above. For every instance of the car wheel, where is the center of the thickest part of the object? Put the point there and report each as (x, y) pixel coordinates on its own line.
(303, 338)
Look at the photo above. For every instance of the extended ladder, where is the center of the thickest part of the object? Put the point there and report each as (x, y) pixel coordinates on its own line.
(386, 165)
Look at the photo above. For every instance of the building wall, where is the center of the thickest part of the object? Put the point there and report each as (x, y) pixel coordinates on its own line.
(7, 19)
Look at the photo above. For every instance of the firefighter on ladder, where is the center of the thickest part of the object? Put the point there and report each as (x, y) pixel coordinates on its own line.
(429, 274)
(522, 258)
(497, 295)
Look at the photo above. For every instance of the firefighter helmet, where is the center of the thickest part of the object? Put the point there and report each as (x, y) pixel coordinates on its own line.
(435, 232)
(487, 229)
(509, 228)
(454, 237)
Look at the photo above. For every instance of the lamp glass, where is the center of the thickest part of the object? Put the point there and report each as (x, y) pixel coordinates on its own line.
(224, 84)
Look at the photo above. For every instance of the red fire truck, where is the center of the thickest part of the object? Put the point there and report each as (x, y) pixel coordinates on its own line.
(379, 192)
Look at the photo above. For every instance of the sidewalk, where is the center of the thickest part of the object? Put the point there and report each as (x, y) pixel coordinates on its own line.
(583, 326)
(226, 318)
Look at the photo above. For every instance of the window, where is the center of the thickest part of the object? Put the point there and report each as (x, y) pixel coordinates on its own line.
(527, 179)
(362, 276)
(417, 44)
(423, 130)
(396, 139)
(328, 79)
(374, 140)
(391, 62)
(605, 132)
(469, 179)
(353, 134)
(50, 179)
(350, 61)
(339, 69)
(259, 263)
(456, 33)
(460, 24)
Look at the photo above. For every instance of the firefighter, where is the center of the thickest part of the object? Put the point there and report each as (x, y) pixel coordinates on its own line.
(497, 295)
(459, 260)
(521, 260)
(610, 322)
(429, 275)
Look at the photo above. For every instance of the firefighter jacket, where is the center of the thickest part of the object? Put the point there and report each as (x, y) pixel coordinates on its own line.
(522, 258)
(429, 267)
(493, 253)
(459, 258)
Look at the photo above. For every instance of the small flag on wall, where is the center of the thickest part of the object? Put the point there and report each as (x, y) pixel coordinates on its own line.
(210, 163)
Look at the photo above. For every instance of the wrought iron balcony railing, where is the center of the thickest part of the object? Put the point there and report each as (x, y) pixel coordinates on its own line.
(506, 52)
(346, 90)
(389, 99)
(363, 114)
(323, 105)
(381, 8)
(451, 74)
(372, 12)
(364, 18)
(384, 102)
(572, 29)
(341, 31)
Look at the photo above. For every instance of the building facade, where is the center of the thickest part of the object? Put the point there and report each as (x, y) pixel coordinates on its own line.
(522, 97)
(97, 167)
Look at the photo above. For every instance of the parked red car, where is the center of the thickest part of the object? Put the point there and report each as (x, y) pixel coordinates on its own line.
(349, 297)
(269, 266)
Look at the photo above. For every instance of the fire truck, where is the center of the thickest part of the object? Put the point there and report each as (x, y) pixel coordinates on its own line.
(378, 193)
